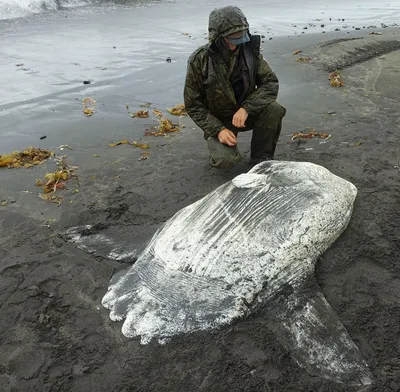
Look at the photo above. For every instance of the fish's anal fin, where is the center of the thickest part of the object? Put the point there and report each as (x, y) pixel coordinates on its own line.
(308, 327)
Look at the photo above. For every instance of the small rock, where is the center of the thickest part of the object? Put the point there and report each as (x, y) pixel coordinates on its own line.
(19, 65)
(330, 18)
(33, 291)
(3, 203)
(168, 59)
(337, 29)
(43, 318)
(342, 20)
(357, 28)
(305, 28)
(270, 38)
(43, 137)
(263, 36)
(114, 47)
(87, 82)
(322, 25)
(323, 32)
(331, 112)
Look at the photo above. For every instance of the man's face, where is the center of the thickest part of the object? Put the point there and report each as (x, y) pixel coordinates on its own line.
(235, 39)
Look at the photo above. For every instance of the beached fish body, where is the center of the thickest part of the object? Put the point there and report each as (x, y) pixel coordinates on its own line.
(251, 244)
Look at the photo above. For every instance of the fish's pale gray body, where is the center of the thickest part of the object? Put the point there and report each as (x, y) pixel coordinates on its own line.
(251, 244)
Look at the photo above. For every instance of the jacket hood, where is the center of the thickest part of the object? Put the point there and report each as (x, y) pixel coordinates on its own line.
(224, 21)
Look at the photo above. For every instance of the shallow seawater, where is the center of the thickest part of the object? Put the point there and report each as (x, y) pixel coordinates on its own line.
(60, 49)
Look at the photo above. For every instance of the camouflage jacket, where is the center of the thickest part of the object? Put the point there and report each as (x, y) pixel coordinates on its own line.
(208, 95)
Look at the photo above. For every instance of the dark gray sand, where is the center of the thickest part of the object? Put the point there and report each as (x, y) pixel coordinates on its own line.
(54, 333)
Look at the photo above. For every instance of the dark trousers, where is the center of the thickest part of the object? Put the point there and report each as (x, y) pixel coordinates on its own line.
(266, 128)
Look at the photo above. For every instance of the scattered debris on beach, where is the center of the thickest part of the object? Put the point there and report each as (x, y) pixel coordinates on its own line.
(89, 105)
(310, 135)
(144, 156)
(335, 79)
(64, 146)
(304, 60)
(178, 110)
(297, 52)
(57, 179)
(27, 158)
(134, 143)
(145, 105)
(139, 113)
(157, 112)
(164, 127)
(51, 198)
(375, 33)
(3, 203)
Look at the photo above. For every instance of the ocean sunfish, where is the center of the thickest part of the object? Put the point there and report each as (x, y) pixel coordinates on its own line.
(250, 245)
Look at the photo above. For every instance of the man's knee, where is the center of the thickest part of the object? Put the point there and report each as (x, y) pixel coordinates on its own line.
(270, 117)
(222, 155)
(275, 110)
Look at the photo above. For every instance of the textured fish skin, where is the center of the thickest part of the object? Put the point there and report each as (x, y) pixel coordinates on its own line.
(249, 245)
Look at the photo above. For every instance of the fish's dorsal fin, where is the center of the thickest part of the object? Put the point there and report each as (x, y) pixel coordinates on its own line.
(308, 327)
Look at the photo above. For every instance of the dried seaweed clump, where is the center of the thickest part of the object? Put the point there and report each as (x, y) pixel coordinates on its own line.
(134, 143)
(310, 135)
(27, 158)
(57, 179)
(89, 105)
(304, 60)
(335, 79)
(178, 110)
(138, 114)
(164, 127)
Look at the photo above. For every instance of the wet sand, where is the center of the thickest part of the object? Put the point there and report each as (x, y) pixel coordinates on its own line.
(54, 333)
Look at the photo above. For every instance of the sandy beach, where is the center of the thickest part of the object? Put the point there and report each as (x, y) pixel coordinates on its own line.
(54, 333)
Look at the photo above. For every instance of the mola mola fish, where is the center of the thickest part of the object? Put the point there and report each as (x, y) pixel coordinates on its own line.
(250, 245)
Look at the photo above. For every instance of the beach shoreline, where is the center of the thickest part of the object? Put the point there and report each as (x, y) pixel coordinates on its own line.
(55, 334)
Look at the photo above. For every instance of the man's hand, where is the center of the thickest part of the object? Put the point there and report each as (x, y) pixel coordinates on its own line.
(227, 137)
(240, 117)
